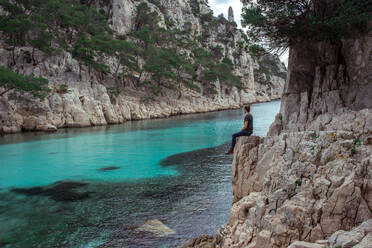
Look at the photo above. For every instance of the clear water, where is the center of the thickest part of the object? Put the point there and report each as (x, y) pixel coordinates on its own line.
(172, 169)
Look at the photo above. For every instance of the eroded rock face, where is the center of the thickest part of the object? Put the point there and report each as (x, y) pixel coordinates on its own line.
(324, 81)
(88, 101)
(298, 186)
(359, 237)
(309, 183)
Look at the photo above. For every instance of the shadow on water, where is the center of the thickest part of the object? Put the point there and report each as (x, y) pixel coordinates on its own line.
(103, 214)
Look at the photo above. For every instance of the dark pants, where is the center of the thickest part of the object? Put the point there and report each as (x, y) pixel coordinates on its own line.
(236, 135)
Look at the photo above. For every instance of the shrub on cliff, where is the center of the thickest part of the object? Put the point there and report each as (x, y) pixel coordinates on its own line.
(19, 85)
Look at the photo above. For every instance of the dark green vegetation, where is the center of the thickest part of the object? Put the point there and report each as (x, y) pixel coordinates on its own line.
(268, 66)
(35, 86)
(53, 27)
(282, 23)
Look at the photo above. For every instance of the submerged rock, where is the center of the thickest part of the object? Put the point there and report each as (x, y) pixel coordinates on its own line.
(156, 227)
(60, 191)
(110, 168)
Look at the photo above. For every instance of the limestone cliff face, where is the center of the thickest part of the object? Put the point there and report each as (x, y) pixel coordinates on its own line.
(326, 81)
(310, 180)
(88, 101)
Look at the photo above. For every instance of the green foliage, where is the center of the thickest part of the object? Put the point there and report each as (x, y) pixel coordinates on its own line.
(221, 19)
(282, 23)
(353, 151)
(263, 69)
(195, 7)
(156, 90)
(114, 91)
(54, 25)
(222, 37)
(256, 50)
(298, 182)
(206, 18)
(269, 65)
(77, 27)
(240, 44)
(63, 89)
(217, 52)
(212, 90)
(192, 86)
(282, 75)
(169, 22)
(146, 18)
(216, 70)
(259, 93)
(144, 83)
(161, 62)
(314, 135)
(22, 84)
(147, 99)
(156, 3)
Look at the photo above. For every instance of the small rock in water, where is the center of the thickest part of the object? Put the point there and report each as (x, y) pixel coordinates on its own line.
(156, 227)
(110, 168)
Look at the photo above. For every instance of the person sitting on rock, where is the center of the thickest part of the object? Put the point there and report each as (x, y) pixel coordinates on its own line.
(247, 130)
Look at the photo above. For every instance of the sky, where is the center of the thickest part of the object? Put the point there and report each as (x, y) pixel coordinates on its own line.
(222, 6)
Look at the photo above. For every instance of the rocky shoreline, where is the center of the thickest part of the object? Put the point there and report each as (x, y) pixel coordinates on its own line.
(83, 97)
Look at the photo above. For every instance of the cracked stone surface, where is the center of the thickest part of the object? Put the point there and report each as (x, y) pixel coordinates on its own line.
(299, 186)
(309, 183)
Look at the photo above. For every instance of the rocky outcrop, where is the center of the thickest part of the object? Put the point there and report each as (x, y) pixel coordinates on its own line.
(299, 186)
(359, 237)
(309, 183)
(325, 81)
(81, 97)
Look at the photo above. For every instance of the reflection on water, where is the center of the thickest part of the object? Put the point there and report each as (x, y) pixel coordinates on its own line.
(189, 190)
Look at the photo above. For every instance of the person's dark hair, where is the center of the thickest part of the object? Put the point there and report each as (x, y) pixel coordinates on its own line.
(248, 108)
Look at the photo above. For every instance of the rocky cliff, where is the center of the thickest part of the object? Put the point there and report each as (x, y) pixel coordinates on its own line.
(81, 96)
(309, 183)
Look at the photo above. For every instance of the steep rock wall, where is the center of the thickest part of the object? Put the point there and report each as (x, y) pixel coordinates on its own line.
(88, 100)
(325, 80)
(312, 176)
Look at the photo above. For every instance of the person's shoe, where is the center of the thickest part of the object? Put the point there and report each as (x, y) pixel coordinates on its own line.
(230, 151)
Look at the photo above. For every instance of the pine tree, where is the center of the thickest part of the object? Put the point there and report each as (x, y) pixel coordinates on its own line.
(281, 23)
(20, 85)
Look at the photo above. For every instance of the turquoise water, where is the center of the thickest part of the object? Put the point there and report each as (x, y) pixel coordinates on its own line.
(135, 149)
(55, 193)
